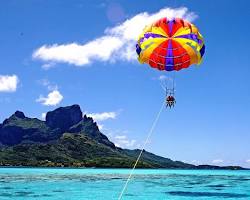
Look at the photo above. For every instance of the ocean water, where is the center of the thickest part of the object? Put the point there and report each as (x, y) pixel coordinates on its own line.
(106, 184)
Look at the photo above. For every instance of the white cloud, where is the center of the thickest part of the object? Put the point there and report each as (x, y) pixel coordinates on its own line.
(248, 161)
(53, 98)
(43, 116)
(124, 141)
(77, 54)
(101, 127)
(117, 43)
(217, 161)
(120, 139)
(103, 116)
(8, 83)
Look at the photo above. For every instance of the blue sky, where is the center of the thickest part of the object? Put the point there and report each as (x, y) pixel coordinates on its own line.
(41, 54)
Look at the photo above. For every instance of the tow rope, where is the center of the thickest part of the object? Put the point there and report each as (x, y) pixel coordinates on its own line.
(143, 148)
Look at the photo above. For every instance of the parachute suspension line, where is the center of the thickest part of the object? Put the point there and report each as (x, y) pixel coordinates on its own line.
(174, 83)
(168, 85)
(143, 148)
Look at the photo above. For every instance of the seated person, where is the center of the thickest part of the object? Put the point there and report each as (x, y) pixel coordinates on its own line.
(170, 101)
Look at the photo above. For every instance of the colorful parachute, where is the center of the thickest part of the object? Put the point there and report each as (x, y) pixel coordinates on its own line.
(170, 45)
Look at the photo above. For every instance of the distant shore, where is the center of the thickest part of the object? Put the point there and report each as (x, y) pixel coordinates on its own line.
(72, 167)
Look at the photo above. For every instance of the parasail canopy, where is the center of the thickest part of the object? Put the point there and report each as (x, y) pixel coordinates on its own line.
(170, 45)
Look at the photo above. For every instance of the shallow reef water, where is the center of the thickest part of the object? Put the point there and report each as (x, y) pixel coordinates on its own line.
(106, 184)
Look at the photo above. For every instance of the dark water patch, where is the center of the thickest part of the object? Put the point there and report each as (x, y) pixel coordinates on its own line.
(219, 189)
(115, 178)
(157, 183)
(7, 188)
(206, 194)
(189, 187)
(4, 181)
(245, 179)
(129, 195)
(46, 195)
(241, 179)
(4, 194)
(41, 195)
(217, 186)
(197, 183)
(23, 193)
(35, 195)
(58, 191)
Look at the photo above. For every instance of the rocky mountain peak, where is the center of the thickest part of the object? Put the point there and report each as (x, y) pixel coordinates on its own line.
(19, 114)
(16, 115)
(64, 117)
(87, 119)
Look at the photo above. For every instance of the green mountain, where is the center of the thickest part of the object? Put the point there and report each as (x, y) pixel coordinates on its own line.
(67, 138)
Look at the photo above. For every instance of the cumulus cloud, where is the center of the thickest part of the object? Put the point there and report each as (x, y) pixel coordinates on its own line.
(53, 98)
(103, 116)
(121, 139)
(217, 161)
(77, 54)
(117, 43)
(124, 141)
(8, 83)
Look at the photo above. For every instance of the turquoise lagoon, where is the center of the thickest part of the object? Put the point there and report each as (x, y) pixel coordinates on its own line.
(105, 184)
